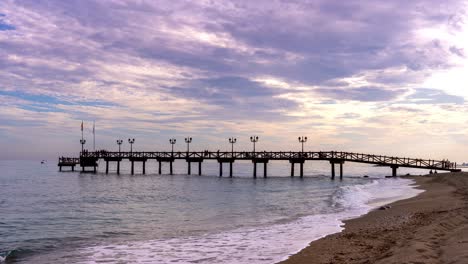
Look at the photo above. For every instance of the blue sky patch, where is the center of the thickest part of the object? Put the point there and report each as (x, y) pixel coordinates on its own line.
(4, 26)
(45, 102)
(34, 97)
(41, 108)
(434, 96)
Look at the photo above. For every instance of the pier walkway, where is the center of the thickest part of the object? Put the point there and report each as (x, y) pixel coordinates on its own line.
(68, 162)
(90, 160)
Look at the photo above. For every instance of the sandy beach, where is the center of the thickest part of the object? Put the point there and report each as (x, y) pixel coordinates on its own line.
(429, 228)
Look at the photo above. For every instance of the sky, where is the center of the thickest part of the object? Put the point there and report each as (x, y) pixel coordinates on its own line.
(380, 77)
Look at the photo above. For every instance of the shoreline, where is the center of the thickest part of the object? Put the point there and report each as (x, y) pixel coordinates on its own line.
(431, 227)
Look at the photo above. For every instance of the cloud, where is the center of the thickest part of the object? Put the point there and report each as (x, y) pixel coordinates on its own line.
(433, 96)
(273, 67)
(405, 109)
(458, 51)
(237, 97)
(350, 116)
(364, 94)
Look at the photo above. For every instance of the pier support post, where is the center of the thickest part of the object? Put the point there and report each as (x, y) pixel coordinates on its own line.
(144, 167)
(73, 168)
(394, 170)
(189, 168)
(170, 168)
(332, 170)
(341, 170)
(230, 169)
(264, 170)
(60, 168)
(95, 170)
(255, 170)
(302, 169)
(118, 167)
(220, 169)
(292, 169)
(82, 168)
(199, 168)
(107, 167)
(133, 167)
(159, 167)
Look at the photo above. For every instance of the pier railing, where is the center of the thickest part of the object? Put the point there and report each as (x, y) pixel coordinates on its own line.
(332, 156)
(69, 161)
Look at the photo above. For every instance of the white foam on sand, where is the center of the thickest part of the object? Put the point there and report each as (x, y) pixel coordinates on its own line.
(268, 244)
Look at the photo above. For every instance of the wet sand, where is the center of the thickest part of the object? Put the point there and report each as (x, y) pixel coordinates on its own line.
(429, 228)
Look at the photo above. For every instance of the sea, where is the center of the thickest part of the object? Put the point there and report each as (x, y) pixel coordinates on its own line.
(47, 216)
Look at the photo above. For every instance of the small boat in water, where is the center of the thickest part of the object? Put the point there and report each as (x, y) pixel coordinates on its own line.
(43, 161)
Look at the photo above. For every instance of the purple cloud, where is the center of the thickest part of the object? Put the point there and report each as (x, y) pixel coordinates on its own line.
(365, 94)
(173, 65)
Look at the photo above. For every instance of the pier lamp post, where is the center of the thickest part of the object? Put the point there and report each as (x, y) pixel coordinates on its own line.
(82, 142)
(232, 141)
(188, 140)
(254, 139)
(172, 141)
(119, 142)
(131, 141)
(302, 140)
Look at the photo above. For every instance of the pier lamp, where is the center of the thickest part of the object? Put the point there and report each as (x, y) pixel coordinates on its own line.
(254, 139)
(232, 141)
(131, 141)
(82, 142)
(188, 140)
(172, 141)
(119, 142)
(302, 140)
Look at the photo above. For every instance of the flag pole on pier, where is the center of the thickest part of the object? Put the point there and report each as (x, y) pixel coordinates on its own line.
(82, 141)
(94, 135)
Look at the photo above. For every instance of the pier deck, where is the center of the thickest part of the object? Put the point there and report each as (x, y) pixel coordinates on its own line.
(68, 162)
(334, 157)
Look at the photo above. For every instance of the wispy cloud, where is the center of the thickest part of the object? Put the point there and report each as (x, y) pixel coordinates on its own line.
(279, 68)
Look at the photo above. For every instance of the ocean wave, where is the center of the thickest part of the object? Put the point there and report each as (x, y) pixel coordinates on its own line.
(365, 197)
(268, 244)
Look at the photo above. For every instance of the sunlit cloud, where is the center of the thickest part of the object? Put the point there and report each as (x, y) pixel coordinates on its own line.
(351, 75)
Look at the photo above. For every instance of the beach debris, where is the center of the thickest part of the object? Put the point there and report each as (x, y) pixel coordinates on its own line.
(385, 207)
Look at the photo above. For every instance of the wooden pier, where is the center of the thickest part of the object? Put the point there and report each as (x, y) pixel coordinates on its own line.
(68, 162)
(90, 160)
